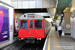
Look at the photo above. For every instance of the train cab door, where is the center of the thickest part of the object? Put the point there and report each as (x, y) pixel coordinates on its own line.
(30, 29)
(39, 31)
(23, 28)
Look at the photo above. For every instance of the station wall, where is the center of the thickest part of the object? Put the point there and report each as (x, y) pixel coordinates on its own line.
(16, 23)
(73, 27)
(11, 24)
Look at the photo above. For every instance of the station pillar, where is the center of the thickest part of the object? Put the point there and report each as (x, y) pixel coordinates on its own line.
(67, 28)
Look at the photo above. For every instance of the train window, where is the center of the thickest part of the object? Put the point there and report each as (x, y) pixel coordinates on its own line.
(30, 24)
(38, 24)
(23, 24)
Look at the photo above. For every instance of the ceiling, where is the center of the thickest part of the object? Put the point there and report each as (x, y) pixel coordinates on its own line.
(62, 4)
(56, 6)
(42, 5)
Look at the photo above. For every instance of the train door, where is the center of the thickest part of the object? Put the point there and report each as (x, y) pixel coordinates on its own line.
(30, 29)
(23, 28)
(39, 31)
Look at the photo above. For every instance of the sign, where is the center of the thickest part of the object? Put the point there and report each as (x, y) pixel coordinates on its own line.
(31, 16)
(4, 24)
(11, 28)
(72, 23)
(67, 26)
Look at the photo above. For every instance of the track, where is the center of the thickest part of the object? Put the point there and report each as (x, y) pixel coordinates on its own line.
(33, 46)
(22, 45)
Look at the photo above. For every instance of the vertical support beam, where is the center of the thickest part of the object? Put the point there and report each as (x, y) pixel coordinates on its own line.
(61, 18)
(67, 22)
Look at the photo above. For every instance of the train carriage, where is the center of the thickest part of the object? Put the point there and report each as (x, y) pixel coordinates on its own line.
(33, 26)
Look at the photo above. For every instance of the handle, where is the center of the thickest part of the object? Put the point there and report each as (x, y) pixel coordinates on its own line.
(28, 29)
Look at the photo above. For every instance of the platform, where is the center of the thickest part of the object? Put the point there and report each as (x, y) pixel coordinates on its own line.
(56, 43)
(52, 42)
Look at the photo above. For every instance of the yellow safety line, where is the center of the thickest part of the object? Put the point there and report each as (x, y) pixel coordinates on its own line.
(49, 41)
(56, 44)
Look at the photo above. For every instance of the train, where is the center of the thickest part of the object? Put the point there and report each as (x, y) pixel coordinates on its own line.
(33, 26)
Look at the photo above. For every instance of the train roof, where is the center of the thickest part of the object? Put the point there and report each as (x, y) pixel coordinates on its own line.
(31, 16)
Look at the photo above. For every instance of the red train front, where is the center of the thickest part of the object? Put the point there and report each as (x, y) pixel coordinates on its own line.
(31, 26)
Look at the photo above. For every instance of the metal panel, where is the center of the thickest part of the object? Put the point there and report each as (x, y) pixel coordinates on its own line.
(14, 4)
(6, 1)
(31, 4)
(73, 27)
(6, 4)
(25, 4)
(19, 4)
(39, 4)
(46, 4)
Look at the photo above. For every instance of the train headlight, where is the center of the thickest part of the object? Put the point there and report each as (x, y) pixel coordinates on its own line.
(38, 38)
(22, 38)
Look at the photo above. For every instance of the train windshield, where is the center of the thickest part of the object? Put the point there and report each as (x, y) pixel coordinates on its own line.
(23, 24)
(30, 24)
(38, 24)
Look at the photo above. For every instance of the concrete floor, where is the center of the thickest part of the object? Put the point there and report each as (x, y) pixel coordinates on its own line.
(63, 43)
